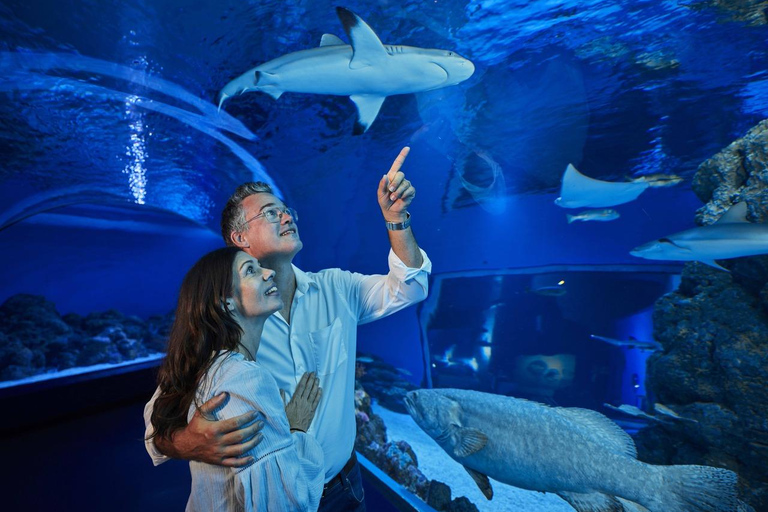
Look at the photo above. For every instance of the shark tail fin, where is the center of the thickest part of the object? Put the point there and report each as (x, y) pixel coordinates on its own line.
(570, 218)
(221, 100)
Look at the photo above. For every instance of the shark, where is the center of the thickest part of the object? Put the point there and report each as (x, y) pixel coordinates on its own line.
(732, 236)
(367, 70)
(651, 345)
(578, 190)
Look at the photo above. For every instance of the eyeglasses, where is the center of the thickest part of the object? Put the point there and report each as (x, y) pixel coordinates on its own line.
(276, 214)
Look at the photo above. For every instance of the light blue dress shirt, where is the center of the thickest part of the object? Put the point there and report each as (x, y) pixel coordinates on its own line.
(322, 337)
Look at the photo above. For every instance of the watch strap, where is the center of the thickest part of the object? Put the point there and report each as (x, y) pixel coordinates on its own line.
(397, 226)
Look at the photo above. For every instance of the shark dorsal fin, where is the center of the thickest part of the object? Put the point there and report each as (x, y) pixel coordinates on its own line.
(736, 213)
(331, 40)
(367, 49)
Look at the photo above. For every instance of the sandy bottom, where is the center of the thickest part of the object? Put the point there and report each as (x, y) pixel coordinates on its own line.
(437, 465)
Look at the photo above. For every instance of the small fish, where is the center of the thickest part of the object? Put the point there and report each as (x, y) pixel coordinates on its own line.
(579, 454)
(364, 359)
(666, 411)
(631, 410)
(598, 215)
(630, 342)
(403, 371)
(658, 180)
(550, 291)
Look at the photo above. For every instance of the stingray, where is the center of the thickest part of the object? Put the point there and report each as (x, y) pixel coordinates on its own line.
(578, 191)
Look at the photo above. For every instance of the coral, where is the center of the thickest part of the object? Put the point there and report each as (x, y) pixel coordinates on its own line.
(35, 339)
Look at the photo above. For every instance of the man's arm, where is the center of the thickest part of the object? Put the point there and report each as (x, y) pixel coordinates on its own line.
(215, 442)
(395, 194)
(407, 281)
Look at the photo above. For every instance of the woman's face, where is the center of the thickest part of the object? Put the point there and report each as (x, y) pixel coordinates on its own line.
(253, 291)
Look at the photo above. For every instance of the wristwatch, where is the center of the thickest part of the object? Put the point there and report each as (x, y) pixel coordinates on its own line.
(397, 226)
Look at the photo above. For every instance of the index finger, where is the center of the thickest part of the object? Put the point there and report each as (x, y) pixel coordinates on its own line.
(398, 163)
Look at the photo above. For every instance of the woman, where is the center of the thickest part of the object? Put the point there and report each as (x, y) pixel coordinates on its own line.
(223, 303)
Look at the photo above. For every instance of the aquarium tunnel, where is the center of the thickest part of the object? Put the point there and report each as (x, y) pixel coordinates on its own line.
(563, 293)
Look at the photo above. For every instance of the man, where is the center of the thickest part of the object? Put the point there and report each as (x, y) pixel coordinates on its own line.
(316, 331)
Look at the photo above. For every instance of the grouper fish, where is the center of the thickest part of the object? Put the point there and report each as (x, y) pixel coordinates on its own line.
(579, 454)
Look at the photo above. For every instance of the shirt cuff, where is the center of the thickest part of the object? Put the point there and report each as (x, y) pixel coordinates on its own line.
(406, 273)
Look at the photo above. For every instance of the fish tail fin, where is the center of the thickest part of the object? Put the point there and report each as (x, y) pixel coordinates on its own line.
(696, 489)
(569, 217)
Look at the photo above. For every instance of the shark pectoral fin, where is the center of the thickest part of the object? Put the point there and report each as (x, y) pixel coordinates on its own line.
(367, 109)
(482, 482)
(712, 263)
(331, 40)
(367, 49)
(592, 502)
(470, 440)
(265, 82)
(272, 92)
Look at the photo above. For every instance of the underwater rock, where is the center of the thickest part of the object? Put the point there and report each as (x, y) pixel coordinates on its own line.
(396, 458)
(751, 12)
(461, 504)
(32, 319)
(383, 382)
(713, 370)
(737, 173)
(438, 495)
(35, 338)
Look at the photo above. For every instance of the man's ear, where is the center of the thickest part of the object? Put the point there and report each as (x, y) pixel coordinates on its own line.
(239, 240)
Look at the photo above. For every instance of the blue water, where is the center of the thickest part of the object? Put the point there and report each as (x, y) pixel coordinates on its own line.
(116, 163)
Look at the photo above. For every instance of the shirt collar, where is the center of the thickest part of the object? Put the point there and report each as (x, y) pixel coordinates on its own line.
(303, 280)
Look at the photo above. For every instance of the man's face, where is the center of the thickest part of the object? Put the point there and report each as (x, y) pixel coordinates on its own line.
(266, 240)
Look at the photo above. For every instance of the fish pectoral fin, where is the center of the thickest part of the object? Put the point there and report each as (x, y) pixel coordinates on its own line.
(331, 40)
(482, 482)
(592, 502)
(367, 109)
(470, 440)
(367, 49)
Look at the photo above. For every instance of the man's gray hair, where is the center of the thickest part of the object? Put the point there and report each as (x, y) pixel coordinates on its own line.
(233, 215)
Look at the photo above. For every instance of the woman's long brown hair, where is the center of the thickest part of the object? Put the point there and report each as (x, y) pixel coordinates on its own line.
(203, 326)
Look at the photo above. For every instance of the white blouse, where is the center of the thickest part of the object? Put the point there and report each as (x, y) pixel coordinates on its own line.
(287, 473)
